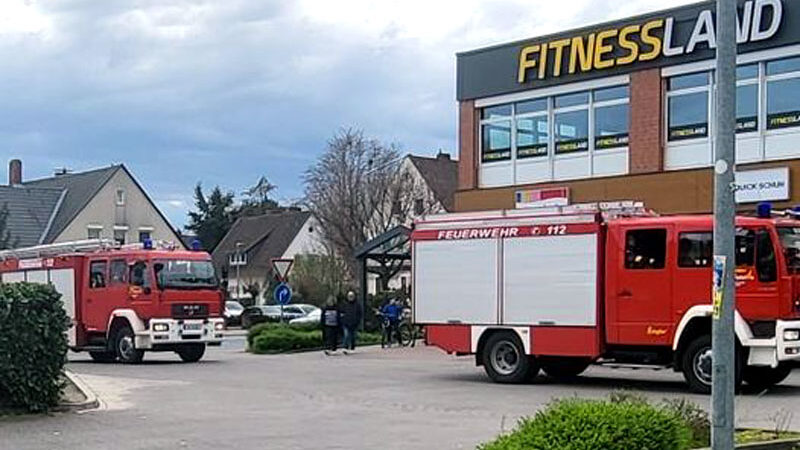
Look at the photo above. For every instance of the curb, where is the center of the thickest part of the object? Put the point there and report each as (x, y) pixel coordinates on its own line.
(782, 444)
(91, 402)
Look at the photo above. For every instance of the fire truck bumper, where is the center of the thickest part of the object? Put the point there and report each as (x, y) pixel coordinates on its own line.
(787, 338)
(170, 332)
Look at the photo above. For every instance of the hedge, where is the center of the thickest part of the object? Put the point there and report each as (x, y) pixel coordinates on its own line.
(577, 424)
(279, 337)
(33, 346)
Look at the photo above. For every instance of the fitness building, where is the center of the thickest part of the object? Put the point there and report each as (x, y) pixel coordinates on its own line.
(624, 111)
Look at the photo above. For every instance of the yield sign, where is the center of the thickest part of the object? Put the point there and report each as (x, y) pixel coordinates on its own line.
(282, 267)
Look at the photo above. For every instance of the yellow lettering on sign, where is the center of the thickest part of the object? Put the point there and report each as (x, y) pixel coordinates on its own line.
(624, 42)
(543, 61)
(525, 63)
(649, 39)
(656, 331)
(558, 48)
(601, 49)
(581, 52)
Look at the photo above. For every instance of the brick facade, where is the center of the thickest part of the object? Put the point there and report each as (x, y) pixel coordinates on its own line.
(467, 146)
(646, 123)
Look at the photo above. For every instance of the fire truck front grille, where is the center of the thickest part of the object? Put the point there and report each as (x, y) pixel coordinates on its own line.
(189, 311)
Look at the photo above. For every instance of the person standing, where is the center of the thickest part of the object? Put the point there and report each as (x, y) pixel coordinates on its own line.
(330, 325)
(392, 311)
(351, 314)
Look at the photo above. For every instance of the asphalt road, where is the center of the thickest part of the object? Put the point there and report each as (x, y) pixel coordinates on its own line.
(399, 398)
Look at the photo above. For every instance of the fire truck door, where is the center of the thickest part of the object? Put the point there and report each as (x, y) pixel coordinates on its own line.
(99, 304)
(757, 292)
(641, 296)
(140, 288)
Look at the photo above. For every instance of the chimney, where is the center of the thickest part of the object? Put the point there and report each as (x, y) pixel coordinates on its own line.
(15, 172)
(443, 156)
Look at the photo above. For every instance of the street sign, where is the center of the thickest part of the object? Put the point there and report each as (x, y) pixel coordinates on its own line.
(282, 294)
(282, 267)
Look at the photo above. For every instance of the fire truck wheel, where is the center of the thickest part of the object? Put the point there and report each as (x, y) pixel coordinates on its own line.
(191, 352)
(505, 361)
(765, 377)
(125, 345)
(103, 357)
(565, 368)
(696, 363)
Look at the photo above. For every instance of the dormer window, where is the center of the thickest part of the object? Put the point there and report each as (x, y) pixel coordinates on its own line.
(120, 197)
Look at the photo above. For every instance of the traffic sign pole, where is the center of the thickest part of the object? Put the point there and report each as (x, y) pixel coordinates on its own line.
(722, 342)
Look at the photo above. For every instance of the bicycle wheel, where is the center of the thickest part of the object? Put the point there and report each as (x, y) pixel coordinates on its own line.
(406, 334)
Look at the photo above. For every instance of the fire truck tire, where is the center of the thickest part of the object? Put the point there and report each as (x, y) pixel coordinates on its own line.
(696, 364)
(103, 357)
(505, 361)
(125, 346)
(765, 377)
(565, 368)
(191, 352)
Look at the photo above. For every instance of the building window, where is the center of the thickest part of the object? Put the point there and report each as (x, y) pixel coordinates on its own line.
(119, 237)
(611, 117)
(120, 197)
(572, 123)
(237, 259)
(144, 236)
(532, 128)
(783, 93)
(93, 232)
(747, 98)
(688, 106)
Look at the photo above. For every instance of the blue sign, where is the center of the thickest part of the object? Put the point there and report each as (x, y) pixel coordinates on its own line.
(282, 294)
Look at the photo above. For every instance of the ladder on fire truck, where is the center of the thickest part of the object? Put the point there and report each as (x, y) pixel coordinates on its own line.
(607, 210)
(61, 248)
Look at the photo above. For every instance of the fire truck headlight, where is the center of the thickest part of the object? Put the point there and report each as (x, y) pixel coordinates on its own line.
(161, 327)
(791, 335)
(219, 326)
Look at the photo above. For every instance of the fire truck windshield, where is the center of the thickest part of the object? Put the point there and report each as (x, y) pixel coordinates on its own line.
(185, 274)
(790, 240)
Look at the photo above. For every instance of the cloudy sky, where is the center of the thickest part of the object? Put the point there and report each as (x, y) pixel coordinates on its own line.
(222, 92)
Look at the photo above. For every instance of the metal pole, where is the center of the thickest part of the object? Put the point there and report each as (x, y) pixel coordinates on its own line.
(723, 343)
(238, 278)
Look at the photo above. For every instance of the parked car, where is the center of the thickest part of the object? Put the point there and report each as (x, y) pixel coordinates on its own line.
(272, 313)
(233, 313)
(312, 318)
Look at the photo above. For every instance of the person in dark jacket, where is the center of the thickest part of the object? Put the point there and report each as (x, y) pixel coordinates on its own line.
(351, 314)
(329, 319)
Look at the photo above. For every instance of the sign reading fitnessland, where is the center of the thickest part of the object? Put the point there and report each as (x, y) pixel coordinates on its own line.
(670, 37)
(762, 185)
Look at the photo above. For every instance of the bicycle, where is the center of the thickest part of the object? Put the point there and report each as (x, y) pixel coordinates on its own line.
(406, 335)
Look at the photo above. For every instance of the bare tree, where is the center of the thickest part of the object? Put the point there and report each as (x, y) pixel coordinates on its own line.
(357, 190)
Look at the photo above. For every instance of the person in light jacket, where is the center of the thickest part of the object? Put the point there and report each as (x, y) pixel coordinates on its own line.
(329, 319)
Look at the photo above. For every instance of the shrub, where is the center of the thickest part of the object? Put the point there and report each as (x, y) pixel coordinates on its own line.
(281, 338)
(33, 345)
(696, 418)
(588, 424)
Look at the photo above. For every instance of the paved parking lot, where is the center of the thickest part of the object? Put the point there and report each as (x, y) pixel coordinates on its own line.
(401, 398)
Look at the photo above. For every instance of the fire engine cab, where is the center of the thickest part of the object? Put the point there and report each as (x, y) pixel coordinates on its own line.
(125, 300)
(560, 288)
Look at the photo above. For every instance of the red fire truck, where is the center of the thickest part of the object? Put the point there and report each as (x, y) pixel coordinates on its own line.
(561, 288)
(124, 300)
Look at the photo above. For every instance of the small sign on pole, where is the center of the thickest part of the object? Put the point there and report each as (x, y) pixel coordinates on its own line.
(719, 284)
(282, 266)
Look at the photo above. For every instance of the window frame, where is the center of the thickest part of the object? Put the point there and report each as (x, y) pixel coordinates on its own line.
(665, 257)
(765, 91)
(92, 264)
(671, 93)
(551, 156)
